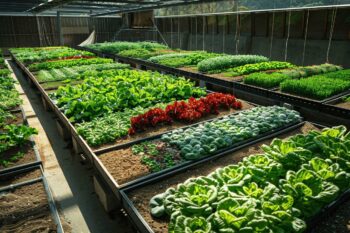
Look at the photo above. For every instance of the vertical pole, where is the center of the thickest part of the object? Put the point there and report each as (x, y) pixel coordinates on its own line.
(59, 29)
(39, 31)
(171, 32)
(203, 47)
(196, 32)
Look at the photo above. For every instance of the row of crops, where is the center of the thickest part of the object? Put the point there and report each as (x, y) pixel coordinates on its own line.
(108, 101)
(170, 125)
(278, 190)
(26, 202)
(15, 146)
(317, 82)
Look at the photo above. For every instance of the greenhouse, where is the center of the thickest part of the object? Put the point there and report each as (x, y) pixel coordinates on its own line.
(179, 116)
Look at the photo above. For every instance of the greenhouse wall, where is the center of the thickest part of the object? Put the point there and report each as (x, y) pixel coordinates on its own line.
(253, 34)
(28, 31)
(306, 43)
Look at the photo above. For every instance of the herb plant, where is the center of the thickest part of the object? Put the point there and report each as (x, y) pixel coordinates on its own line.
(222, 63)
(67, 63)
(262, 66)
(265, 80)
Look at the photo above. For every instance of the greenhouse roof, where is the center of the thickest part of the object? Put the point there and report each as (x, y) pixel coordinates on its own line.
(107, 7)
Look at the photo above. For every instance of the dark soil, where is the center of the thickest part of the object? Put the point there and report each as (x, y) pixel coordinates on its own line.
(337, 222)
(29, 155)
(141, 196)
(10, 180)
(26, 209)
(161, 129)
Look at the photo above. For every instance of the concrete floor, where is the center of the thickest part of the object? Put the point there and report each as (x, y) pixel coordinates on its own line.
(69, 180)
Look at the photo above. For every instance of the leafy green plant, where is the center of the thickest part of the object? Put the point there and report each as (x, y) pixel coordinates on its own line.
(9, 99)
(119, 46)
(261, 194)
(124, 89)
(306, 71)
(4, 72)
(67, 63)
(221, 63)
(15, 135)
(30, 55)
(182, 59)
(77, 72)
(208, 138)
(309, 191)
(262, 66)
(265, 80)
(110, 127)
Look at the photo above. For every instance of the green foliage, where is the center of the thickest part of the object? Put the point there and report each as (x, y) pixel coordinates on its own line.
(306, 71)
(124, 89)
(15, 135)
(77, 72)
(119, 46)
(4, 72)
(7, 83)
(210, 137)
(9, 99)
(110, 127)
(182, 59)
(47, 53)
(315, 87)
(262, 66)
(137, 53)
(221, 63)
(269, 192)
(67, 63)
(265, 80)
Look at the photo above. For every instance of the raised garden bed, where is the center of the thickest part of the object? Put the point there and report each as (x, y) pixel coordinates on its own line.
(136, 198)
(28, 207)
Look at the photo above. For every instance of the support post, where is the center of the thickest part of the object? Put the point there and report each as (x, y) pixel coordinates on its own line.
(59, 29)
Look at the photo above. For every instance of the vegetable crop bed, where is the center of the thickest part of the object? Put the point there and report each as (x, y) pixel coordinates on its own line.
(123, 127)
(77, 72)
(319, 87)
(31, 55)
(195, 142)
(15, 145)
(102, 115)
(271, 188)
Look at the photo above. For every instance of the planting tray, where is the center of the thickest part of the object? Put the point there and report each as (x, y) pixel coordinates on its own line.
(135, 198)
(41, 179)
